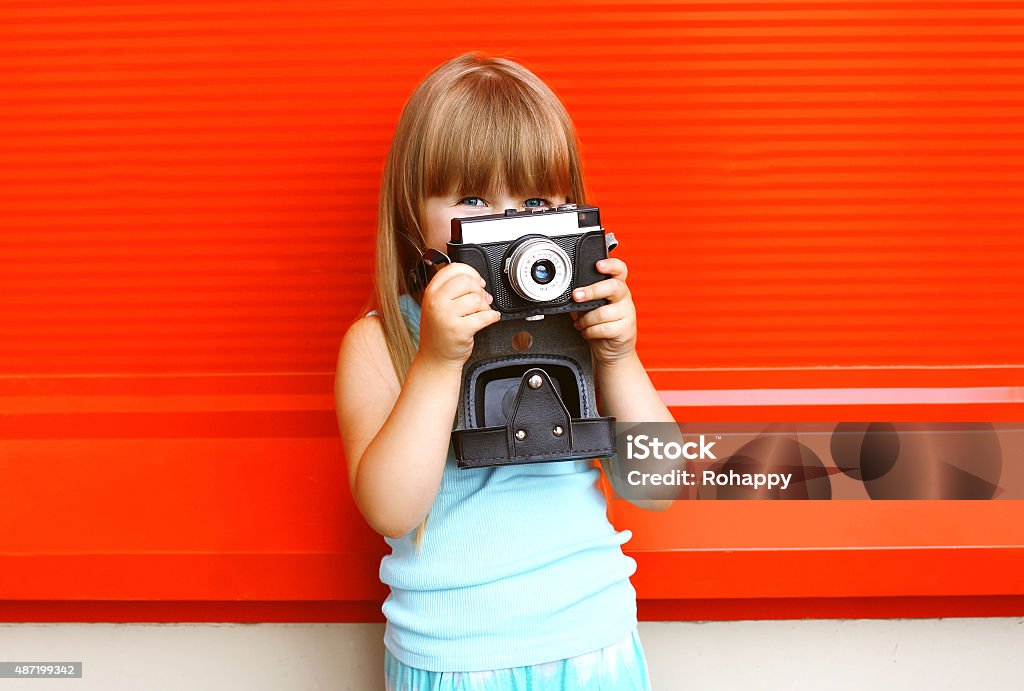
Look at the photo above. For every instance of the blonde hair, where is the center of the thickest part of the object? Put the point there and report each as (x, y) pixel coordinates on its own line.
(475, 125)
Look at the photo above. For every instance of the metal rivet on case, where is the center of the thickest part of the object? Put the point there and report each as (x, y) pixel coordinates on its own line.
(557, 431)
(535, 381)
(520, 434)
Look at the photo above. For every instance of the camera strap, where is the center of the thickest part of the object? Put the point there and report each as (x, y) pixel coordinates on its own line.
(429, 263)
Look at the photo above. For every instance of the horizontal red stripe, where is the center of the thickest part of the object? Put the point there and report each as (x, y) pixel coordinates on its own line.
(831, 608)
(675, 575)
(257, 424)
(356, 611)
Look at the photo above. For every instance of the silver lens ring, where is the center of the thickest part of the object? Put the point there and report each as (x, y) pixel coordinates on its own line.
(520, 270)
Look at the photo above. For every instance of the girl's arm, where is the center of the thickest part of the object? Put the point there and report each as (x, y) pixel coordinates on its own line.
(628, 394)
(396, 437)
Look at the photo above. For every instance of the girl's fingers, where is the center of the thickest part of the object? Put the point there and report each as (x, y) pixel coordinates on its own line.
(470, 303)
(612, 288)
(602, 330)
(458, 286)
(598, 315)
(613, 267)
(483, 318)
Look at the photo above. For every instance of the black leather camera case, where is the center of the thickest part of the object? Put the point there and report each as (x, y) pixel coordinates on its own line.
(556, 420)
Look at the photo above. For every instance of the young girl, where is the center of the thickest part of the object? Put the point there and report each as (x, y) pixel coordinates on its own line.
(517, 580)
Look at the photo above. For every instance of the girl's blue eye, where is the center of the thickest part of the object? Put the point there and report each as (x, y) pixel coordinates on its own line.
(532, 202)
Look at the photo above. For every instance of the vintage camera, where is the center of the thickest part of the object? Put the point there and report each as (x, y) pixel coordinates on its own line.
(532, 260)
(527, 393)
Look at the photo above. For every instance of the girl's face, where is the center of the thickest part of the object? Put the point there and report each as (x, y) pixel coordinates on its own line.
(441, 210)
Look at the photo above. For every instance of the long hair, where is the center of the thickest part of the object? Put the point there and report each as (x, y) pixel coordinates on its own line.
(475, 125)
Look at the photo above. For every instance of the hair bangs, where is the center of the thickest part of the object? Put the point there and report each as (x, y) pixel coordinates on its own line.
(487, 138)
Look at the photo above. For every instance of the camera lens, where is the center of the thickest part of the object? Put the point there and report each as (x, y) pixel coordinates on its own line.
(538, 269)
(543, 271)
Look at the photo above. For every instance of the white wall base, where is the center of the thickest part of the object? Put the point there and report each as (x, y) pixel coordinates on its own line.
(977, 654)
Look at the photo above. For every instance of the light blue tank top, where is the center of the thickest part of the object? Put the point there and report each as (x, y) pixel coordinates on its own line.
(519, 566)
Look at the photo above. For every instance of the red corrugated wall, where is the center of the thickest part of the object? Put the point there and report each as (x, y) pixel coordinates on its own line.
(809, 196)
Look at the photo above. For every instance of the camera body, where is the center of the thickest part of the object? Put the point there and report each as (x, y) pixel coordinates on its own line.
(527, 392)
(533, 260)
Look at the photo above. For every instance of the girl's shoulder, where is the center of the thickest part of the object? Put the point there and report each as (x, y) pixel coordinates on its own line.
(365, 343)
(364, 348)
(367, 327)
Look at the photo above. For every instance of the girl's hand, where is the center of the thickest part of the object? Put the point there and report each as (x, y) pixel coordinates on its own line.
(455, 306)
(611, 328)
